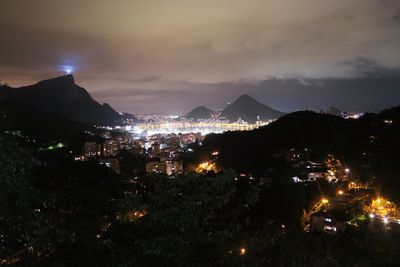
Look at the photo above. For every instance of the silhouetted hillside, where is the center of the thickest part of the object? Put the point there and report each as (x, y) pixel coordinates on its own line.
(45, 127)
(248, 109)
(200, 113)
(62, 96)
(372, 143)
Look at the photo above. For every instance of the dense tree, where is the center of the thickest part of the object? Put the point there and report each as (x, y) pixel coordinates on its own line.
(22, 225)
(53, 212)
(189, 220)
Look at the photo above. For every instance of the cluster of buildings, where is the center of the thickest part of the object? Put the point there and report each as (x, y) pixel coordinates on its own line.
(163, 165)
(164, 150)
(110, 147)
(161, 151)
(310, 171)
(153, 124)
(305, 170)
(106, 151)
(352, 208)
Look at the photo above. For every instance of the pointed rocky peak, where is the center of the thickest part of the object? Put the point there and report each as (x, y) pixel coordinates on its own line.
(250, 110)
(245, 99)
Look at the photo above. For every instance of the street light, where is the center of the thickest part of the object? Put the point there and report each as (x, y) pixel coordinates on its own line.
(325, 201)
(242, 252)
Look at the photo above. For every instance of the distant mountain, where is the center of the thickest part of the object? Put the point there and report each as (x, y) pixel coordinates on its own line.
(63, 97)
(248, 109)
(333, 111)
(200, 113)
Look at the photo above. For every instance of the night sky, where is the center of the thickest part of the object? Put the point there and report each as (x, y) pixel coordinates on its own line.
(171, 56)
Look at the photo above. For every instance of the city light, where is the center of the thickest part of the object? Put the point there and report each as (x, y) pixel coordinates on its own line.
(325, 201)
(206, 166)
(168, 126)
(382, 208)
(340, 192)
(354, 185)
(242, 251)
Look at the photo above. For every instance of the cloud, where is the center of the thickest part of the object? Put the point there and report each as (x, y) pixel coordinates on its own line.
(133, 92)
(154, 45)
(364, 67)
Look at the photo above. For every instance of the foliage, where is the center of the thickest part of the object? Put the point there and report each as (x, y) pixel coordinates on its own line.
(52, 212)
(21, 225)
(190, 220)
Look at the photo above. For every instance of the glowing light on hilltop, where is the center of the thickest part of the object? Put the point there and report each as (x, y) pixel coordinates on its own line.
(67, 69)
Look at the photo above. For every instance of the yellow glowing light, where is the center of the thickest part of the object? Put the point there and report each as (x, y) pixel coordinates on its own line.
(382, 207)
(325, 201)
(242, 251)
(206, 166)
(340, 192)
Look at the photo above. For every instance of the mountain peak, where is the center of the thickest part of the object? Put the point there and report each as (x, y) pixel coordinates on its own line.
(201, 112)
(246, 99)
(202, 108)
(62, 96)
(67, 79)
(250, 110)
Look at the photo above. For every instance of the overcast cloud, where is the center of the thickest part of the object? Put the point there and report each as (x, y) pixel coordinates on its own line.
(179, 54)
